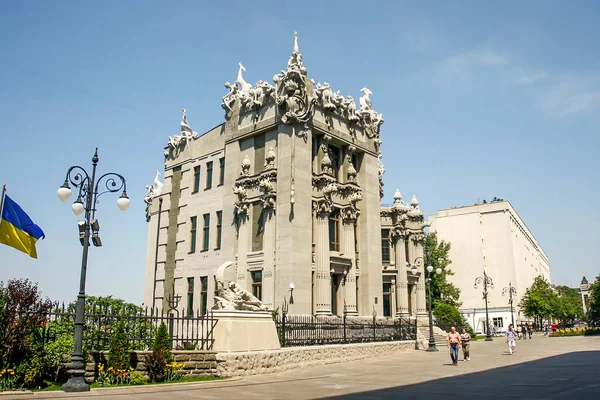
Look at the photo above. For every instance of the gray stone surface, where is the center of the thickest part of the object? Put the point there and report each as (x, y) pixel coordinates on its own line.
(542, 368)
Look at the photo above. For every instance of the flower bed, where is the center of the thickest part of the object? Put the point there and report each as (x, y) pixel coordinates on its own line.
(576, 332)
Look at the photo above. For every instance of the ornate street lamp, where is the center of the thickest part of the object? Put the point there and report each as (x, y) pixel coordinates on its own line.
(487, 281)
(438, 270)
(511, 292)
(89, 190)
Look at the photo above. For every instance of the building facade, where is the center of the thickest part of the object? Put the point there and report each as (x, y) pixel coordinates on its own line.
(491, 237)
(584, 290)
(288, 188)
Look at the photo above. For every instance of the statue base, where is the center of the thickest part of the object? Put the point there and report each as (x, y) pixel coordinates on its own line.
(241, 331)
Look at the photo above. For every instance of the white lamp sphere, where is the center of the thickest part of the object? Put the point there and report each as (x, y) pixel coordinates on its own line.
(123, 203)
(413, 270)
(429, 268)
(64, 193)
(77, 208)
(438, 270)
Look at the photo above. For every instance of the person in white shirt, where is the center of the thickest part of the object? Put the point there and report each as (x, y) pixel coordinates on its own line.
(510, 339)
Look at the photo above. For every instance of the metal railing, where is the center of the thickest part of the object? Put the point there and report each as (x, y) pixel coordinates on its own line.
(310, 330)
(194, 332)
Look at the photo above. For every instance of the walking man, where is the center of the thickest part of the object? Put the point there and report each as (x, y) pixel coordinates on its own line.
(529, 330)
(453, 342)
(518, 331)
(465, 339)
(510, 339)
(524, 330)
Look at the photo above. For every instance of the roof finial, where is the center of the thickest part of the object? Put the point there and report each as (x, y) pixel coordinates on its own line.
(397, 197)
(296, 49)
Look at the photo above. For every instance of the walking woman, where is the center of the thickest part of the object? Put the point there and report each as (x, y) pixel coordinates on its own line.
(453, 342)
(465, 339)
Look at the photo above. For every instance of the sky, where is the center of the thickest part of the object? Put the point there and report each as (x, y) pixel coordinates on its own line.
(480, 99)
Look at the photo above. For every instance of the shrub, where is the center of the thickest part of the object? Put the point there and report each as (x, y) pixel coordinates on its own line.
(576, 332)
(118, 353)
(55, 352)
(137, 378)
(156, 362)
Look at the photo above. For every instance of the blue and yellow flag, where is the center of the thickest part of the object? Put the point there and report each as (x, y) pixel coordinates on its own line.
(17, 229)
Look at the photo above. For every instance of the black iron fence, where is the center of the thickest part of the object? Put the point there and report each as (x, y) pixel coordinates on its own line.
(309, 330)
(194, 332)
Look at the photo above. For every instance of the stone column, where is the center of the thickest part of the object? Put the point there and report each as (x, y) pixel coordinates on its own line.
(241, 273)
(421, 294)
(401, 279)
(349, 216)
(323, 282)
(268, 276)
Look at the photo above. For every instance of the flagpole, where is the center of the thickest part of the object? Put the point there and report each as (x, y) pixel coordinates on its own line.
(2, 201)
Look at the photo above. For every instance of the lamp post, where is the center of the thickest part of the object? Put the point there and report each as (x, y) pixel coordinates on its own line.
(487, 281)
(89, 190)
(438, 270)
(511, 292)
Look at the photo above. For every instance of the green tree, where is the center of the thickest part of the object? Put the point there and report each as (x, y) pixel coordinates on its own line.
(118, 353)
(156, 362)
(438, 255)
(568, 305)
(594, 303)
(447, 315)
(539, 300)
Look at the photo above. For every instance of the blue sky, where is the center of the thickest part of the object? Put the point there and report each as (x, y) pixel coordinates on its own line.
(480, 99)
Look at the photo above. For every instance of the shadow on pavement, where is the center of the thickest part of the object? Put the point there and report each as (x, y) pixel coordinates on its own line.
(568, 376)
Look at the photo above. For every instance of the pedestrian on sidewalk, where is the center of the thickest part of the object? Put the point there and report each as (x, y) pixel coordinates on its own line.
(465, 339)
(553, 326)
(529, 330)
(510, 339)
(524, 330)
(545, 329)
(453, 342)
(518, 331)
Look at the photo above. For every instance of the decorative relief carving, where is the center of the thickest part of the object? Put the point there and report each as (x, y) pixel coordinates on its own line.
(291, 91)
(349, 215)
(178, 142)
(268, 197)
(232, 297)
(326, 164)
(246, 166)
(351, 174)
(270, 158)
(267, 273)
(325, 95)
(153, 190)
(241, 203)
(381, 172)
(322, 208)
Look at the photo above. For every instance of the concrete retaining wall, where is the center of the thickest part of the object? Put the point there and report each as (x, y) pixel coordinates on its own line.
(262, 362)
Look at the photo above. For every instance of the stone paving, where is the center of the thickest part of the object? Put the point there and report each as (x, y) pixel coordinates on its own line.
(558, 368)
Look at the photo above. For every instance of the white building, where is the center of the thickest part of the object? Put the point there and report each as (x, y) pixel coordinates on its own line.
(490, 237)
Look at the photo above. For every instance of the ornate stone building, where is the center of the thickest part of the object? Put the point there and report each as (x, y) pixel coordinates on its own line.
(289, 189)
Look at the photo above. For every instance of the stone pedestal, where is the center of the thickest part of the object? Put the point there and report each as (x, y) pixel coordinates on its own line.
(239, 331)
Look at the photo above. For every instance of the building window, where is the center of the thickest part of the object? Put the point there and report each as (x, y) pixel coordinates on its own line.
(221, 171)
(193, 226)
(209, 168)
(385, 246)
(497, 322)
(257, 227)
(190, 297)
(257, 284)
(406, 252)
(259, 154)
(334, 232)
(206, 232)
(356, 159)
(203, 294)
(219, 228)
(196, 179)
(387, 299)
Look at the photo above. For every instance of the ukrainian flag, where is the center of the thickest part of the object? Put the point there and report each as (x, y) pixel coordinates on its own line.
(17, 229)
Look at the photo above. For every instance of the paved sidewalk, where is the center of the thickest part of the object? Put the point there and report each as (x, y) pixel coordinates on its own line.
(558, 368)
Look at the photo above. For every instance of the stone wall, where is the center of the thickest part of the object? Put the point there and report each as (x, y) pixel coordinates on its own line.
(197, 363)
(262, 362)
